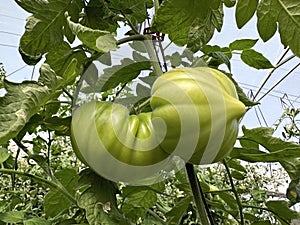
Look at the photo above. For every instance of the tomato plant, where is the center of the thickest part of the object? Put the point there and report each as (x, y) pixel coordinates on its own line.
(75, 142)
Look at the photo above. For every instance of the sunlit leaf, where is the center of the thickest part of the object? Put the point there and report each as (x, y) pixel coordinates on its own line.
(282, 211)
(293, 191)
(123, 73)
(242, 44)
(229, 199)
(37, 221)
(56, 202)
(266, 19)
(255, 59)
(189, 22)
(4, 155)
(174, 216)
(135, 10)
(143, 198)
(99, 16)
(235, 164)
(98, 199)
(264, 222)
(245, 10)
(229, 3)
(12, 216)
(285, 15)
(99, 40)
(61, 58)
(277, 150)
(44, 29)
(23, 100)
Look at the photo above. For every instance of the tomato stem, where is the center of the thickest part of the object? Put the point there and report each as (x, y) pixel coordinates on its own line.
(198, 195)
(56, 185)
(238, 201)
(152, 55)
(135, 37)
(150, 49)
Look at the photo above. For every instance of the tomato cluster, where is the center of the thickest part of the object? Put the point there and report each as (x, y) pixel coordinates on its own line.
(195, 115)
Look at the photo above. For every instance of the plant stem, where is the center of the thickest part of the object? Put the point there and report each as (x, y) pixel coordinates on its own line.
(152, 55)
(238, 201)
(67, 93)
(142, 105)
(136, 37)
(156, 5)
(133, 28)
(49, 183)
(197, 194)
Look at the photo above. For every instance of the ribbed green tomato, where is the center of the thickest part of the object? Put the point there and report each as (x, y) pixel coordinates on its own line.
(195, 114)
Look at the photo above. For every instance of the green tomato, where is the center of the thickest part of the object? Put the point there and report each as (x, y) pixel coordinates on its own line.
(195, 115)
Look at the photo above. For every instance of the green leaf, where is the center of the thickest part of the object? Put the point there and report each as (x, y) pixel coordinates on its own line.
(242, 44)
(136, 200)
(74, 10)
(98, 198)
(30, 126)
(61, 58)
(250, 217)
(286, 14)
(252, 155)
(133, 213)
(174, 216)
(144, 198)
(36, 221)
(17, 106)
(117, 74)
(61, 126)
(99, 16)
(189, 22)
(198, 62)
(55, 202)
(175, 59)
(148, 80)
(219, 58)
(138, 46)
(229, 199)
(287, 153)
(237, 175)
(99, 40)
(23, 100)
(208, 49)
(293, 191)
(266, 19)
(217, 55)
(245, 10)
(264, 222)
(150, 220)
(4, 155)
(235, 164)
(201, 32)
(219, 203)
(43, 31)
(282, 211)
(255, 59)
(143, 91)
(12, 216)
(229, 3)
(134, 10)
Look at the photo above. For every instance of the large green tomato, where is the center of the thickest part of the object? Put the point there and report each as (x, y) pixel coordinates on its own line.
(195, 115)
